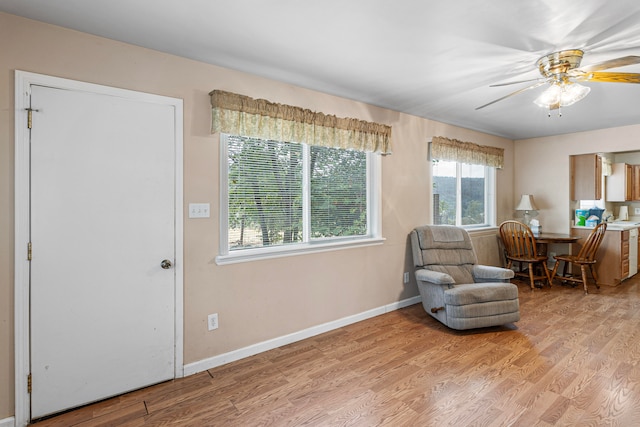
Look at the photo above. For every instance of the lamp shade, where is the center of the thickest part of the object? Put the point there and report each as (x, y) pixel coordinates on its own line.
(526, 203)
(562, 95)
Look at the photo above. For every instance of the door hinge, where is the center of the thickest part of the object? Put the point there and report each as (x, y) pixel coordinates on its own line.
(29, 251)
(30, 117)
(29, 383)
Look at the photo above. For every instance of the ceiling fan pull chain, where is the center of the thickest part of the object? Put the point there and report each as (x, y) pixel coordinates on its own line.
(559, 112)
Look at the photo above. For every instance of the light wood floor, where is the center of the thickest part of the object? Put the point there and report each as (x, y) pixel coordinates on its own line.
(573, 360)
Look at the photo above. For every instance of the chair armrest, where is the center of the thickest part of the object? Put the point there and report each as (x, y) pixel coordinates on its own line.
(434, 277)
(487, 273)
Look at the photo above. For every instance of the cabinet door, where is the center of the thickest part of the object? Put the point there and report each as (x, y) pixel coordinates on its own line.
(635, 186)
(619, 183)
(586, 177)
(598, 178)
(628, 180)
(624, 254)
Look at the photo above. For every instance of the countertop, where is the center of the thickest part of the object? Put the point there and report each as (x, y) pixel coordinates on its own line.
(615, 226)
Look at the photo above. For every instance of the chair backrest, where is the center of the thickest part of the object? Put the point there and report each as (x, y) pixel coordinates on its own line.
(444, 248)
(518, 240)
(590, 248)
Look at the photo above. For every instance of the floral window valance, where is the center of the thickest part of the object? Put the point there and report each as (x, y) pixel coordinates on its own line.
(258, 118)
(466, 152)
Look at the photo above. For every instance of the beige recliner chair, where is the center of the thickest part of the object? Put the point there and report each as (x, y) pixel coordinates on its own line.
(454, 288)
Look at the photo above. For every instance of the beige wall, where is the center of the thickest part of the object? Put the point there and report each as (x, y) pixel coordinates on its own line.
(542, 166)
(259, 300)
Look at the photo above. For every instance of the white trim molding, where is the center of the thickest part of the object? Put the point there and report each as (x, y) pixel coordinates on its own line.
(23, 82)
(232, 356)
(8, 422)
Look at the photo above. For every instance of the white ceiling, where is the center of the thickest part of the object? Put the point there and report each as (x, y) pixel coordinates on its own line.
(433, 59)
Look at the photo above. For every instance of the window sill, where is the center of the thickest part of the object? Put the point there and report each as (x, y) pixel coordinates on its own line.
(480, 229)
(291, 250)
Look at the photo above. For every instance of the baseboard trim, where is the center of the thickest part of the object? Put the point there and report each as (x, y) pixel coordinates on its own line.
(8, 422)
(232, 356)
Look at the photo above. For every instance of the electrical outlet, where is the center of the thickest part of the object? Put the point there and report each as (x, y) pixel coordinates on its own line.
(212, 321)
(406, 277)
(636, 211)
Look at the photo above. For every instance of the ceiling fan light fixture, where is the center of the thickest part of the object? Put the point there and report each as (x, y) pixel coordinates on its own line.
(550, 97)
(562, 95)
(573, 93)
(561, 70)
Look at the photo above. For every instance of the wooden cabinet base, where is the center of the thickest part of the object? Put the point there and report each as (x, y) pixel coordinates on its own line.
(613, 256)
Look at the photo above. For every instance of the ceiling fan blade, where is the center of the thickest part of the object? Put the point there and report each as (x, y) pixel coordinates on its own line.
(609, 77)
(612, 63)
(514, 83)
(533, 86)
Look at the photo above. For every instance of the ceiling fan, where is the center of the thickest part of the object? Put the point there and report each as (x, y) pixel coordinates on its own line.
(562, 70)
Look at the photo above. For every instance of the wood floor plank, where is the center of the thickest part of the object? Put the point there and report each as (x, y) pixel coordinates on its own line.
(556, 410)
(130, 414)
(572, 359)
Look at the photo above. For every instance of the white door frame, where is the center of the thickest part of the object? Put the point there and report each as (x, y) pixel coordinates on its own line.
(23, 82)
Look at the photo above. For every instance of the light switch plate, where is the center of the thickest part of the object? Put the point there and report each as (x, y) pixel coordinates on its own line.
(199, 210)
(636, 211)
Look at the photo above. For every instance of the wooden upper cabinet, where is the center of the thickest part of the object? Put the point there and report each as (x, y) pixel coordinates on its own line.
(586, 177)
(635, 191)
(620, 183)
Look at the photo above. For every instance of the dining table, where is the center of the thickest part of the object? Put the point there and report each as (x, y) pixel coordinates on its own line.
(543, 240)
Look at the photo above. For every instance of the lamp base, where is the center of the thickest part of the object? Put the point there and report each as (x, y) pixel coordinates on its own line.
(527, 217)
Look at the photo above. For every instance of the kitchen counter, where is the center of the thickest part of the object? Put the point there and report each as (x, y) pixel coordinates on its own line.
(618, 254)
(614, 226)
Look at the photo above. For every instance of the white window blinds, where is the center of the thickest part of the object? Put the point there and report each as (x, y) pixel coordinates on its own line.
(338, 192)
(286, 193)
(265, 193)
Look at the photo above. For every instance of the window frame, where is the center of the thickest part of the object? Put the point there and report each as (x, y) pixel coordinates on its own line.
(374, 216)
(490, 201)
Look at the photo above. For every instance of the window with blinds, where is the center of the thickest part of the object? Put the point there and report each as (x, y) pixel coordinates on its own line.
(265, 193)
(463, 194)
(281, 194)
(338, 192)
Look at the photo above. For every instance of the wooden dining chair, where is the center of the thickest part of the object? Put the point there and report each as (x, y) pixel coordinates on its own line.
(585, 258)
(520, 246)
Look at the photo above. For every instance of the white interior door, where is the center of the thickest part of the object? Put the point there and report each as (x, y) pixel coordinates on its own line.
(102, 222)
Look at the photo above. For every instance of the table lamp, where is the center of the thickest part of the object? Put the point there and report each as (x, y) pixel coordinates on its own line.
(527, 205)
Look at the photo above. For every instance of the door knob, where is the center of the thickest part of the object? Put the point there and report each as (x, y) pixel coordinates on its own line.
(166, 264)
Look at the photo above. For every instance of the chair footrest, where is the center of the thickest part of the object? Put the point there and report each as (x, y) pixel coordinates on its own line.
(483, 309)
(474, 293)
